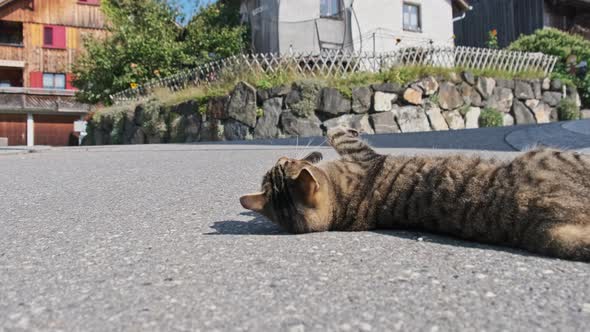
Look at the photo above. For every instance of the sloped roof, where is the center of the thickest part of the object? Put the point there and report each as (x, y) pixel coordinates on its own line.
(5, 2)
(462, 4)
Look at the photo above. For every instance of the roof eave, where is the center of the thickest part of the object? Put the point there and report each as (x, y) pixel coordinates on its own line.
(5, 2)
(462, 5)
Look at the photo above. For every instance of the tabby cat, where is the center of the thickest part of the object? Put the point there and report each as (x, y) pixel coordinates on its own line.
(540, 201)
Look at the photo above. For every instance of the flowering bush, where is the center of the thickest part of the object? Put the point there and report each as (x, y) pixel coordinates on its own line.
(493, 39)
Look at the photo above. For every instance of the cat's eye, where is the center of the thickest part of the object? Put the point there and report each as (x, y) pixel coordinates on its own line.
(353, 132)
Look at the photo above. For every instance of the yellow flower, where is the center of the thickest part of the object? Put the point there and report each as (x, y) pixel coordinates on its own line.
(494, 32)
(133, 85)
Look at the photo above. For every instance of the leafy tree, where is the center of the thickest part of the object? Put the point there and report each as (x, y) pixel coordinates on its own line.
(143, 42)
(215, 32)
(563, 45)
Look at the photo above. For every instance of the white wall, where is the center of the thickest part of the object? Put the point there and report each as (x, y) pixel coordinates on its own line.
(378, 20)
(301, 28)
(297, 28)
(384, 19)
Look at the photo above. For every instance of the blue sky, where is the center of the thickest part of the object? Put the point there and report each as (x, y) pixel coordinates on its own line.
(189, 6)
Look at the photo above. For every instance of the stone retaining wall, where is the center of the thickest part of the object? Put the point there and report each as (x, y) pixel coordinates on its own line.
(308, 108)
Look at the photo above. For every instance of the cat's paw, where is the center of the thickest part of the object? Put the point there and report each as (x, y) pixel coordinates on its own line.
(338, 133)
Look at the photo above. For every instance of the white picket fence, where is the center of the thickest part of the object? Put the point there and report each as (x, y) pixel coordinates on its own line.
(342, 63)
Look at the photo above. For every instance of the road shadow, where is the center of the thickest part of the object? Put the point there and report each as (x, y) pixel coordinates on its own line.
(448, 240)
(259, 225)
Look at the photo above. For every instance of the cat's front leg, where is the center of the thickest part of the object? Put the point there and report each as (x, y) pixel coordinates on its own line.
(350, 146)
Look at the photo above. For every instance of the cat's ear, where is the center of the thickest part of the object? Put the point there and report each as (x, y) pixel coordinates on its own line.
(314, 157)
(307, 186)
(254, 202)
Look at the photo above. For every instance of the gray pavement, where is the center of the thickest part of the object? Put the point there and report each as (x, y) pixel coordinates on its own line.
(152, 238)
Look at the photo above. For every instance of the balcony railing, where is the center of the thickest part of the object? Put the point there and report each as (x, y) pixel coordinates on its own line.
(12, 52)
(16, 99)
(38, 91)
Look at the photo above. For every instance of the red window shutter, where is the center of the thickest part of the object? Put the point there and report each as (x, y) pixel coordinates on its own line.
(59, 37)
(54, 36)
(69, 79)
(36, 79)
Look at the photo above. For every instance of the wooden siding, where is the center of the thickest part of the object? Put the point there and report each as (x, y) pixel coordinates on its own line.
(54, 12)
(510, 18)
(40, 59)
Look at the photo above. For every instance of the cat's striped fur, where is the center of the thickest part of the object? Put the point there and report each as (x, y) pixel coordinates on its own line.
(539, 201)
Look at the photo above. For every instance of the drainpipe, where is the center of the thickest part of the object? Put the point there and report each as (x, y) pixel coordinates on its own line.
(459, 18)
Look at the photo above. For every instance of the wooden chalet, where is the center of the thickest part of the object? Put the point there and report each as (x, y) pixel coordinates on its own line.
(39, 42)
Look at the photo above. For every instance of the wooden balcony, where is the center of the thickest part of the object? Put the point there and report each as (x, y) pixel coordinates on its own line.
(12, 52)
(22, 100)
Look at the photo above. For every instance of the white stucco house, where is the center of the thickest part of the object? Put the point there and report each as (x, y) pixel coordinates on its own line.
(283, 26)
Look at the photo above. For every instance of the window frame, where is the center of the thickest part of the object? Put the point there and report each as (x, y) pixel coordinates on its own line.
(19, 31)
(58, 37)
(338, 15)
(54, 75)
(418, 7)
(89, 2)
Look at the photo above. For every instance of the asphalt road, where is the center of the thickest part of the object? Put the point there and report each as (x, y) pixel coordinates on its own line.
(144, 238)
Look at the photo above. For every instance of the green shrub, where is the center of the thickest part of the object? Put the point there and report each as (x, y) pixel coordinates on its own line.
(154, 123)
(561, 44)
(177, 128)
(90, 129)
(270, 80)
(111, 120)
(309, 90)
(464, 110)
(490, 117)
(568, 110)
(345, 84)
(435, 99)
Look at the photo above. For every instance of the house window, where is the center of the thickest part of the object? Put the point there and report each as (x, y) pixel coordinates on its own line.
(54, 37)
(330, 8)
(54, 81)
(412, 20)
(11, 33)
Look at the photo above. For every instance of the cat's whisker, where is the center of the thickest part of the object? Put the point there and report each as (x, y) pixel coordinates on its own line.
(297, 145)
(322, 143)
(305, 149)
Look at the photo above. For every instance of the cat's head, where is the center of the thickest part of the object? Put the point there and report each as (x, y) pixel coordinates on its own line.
(295, 195)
